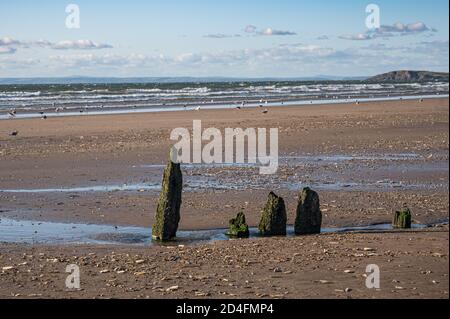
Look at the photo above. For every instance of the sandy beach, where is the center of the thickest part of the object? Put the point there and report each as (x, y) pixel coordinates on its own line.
(364, 160)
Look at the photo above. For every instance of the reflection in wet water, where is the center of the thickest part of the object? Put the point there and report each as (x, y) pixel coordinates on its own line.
(326, 174)
(223, 185)
(52, 233)
(88, 189)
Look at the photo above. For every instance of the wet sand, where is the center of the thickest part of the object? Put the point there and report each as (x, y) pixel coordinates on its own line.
(363, 188)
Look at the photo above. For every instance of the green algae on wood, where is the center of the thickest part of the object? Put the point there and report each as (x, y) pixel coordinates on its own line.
(402, 219)
(273, 217)
(168, 210)
(309, 217)
(238, 227)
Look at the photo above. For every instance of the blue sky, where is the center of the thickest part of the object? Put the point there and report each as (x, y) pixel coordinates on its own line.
(242, 38)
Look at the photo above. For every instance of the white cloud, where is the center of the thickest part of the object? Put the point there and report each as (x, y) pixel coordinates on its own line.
(253, 30)
(356, 37)
(282, 60)
(41, 44)
(267, 31)
(8, 45)
(221, 36)
(270, 31)
(12, 45)
(9, 63)
(6, 41)
(250, 29)
(89, 60)
(387, 31)
(80, 45)
(405, 28)
(7, 50)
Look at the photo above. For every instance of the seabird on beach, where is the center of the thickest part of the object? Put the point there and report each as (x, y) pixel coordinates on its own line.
(265, 111)
(14, 133)
(59, 109)
(198, 108)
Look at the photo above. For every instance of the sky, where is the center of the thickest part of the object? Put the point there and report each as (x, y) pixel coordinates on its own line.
(232, 38)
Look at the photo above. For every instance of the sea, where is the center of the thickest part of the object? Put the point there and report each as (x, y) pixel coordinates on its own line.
(91, 98)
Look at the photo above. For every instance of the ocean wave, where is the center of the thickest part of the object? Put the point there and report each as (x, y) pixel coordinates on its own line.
(87, 96)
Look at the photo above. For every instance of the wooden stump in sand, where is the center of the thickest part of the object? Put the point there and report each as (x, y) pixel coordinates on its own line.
(402, 219)
(274, 217)
(309, 216)
(168, 210)
(238, 227)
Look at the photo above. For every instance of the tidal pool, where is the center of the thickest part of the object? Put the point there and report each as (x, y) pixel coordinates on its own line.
(54, 233)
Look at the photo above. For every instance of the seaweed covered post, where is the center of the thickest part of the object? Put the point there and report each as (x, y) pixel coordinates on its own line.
(309, 217)
(274, 217)
(238, 227)
(168, 210)
(402, 219)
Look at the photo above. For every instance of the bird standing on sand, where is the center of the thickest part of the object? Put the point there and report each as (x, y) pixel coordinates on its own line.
(198, 108)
